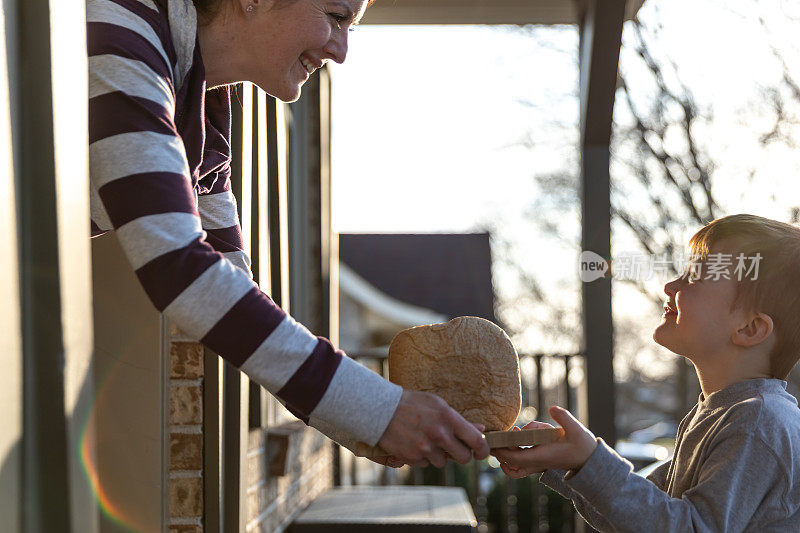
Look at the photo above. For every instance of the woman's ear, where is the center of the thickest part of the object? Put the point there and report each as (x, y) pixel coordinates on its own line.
(756, 330)
(252, 6)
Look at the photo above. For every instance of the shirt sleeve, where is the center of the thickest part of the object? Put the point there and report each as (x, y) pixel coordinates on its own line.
(739, 474)
(219, 218)
(555, 479)
(659, 476)
(140, 172)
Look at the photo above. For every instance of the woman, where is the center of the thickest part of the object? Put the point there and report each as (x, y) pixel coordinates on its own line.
(160, 174)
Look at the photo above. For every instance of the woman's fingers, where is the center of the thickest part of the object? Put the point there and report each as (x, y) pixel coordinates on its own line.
(469, 435)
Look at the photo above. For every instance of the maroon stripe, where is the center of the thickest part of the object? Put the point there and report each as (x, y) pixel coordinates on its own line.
(109, 39)
(244, 327)
(140, 195)
(156, 20)
(226, 239)
(95, 229)
(168, 275)
(308, 385)
(222, 183)
(116, 113)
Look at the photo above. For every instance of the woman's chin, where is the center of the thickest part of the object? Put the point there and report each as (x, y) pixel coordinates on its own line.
(288, 93)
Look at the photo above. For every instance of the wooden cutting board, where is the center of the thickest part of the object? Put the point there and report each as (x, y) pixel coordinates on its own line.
(495, 439)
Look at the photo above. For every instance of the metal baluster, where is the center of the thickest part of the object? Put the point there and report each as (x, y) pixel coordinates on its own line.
(539, 503)
(511, 505)
(504, 506)
(353, 470)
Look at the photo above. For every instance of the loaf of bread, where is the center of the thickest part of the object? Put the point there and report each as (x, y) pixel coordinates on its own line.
(470, 362)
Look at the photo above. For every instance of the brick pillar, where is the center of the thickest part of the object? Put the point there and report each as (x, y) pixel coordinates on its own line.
(185, 434)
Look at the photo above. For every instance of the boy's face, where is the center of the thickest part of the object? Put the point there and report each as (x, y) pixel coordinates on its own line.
(698, 319)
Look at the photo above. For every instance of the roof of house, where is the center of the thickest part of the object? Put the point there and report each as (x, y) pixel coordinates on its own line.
(446, 273)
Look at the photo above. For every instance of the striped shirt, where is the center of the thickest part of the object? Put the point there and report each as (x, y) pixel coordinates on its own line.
(159, 148)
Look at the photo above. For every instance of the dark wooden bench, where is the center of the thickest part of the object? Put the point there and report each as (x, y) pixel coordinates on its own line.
(388, 509)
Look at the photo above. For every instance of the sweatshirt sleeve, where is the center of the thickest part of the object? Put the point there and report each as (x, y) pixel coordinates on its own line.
(140, 172)
(739, 474)
(219, 218)
(555, 479)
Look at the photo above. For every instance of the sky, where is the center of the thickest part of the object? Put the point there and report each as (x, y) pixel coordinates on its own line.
(442, 128)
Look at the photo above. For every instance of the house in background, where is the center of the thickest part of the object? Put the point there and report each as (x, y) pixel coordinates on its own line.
(390, 282)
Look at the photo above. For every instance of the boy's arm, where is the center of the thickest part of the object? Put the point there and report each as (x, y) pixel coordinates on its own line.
(659, 475)
(740, 474)
(555, 480)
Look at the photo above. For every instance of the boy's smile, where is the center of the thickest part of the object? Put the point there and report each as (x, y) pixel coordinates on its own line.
(698, 317)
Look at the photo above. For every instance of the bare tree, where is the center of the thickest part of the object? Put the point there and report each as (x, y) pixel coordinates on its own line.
(662, 183)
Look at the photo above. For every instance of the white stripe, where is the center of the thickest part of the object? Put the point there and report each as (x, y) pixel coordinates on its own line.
(150, 4)
(334, 433)
(138, 152)
(151, 236)
(109, 73)
(111, 13)
(98, 212)
(218, 211)
(353, 391)
(241, 260)
(203, 303)
(280, 355)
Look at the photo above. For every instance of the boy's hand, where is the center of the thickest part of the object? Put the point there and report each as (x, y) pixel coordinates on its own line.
(569, 453)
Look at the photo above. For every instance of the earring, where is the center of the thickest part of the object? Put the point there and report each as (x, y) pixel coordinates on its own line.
(251, 8)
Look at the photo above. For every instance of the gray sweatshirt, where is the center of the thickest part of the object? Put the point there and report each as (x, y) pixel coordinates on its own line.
(736, 468)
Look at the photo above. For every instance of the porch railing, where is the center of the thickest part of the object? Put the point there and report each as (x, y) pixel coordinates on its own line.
(501, 504)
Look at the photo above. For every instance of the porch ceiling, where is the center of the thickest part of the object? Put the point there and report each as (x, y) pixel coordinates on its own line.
(482, 11)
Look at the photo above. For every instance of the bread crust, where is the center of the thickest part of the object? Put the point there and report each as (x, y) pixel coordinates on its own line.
(470, 362)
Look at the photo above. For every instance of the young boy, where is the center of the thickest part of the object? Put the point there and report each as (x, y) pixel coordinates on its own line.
(737, 455)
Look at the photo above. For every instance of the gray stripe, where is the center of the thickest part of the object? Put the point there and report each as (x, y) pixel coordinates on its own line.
(150, 4)
(280, 355)
(203, 303)
(241, 260)
(98, 212)
(138, 152)
(109, 73)
(218, 211)
(183, 26)
(334, 433)
(152, 236)
(355, 391)
(106, 11)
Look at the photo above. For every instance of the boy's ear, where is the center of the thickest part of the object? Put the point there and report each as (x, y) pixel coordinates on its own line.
(755, 331)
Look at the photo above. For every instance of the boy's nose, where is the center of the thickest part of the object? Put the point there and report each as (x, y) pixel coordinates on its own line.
(671, 287)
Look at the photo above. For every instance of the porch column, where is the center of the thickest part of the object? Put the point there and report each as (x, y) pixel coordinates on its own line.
(600, 39)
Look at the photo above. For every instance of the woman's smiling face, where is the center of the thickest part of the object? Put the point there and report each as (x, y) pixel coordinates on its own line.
(289, 39)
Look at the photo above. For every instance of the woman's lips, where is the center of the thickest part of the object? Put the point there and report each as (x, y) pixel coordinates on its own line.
(669, 311)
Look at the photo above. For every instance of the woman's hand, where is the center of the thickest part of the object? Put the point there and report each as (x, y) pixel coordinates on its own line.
(425, 430)
(569, 453)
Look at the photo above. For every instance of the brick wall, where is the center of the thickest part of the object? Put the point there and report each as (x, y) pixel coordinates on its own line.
(274, 501)
(185, 435)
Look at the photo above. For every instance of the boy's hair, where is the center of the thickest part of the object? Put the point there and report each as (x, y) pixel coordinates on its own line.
(775, 291)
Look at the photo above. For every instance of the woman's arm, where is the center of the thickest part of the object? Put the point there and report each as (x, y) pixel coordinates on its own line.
(140, 172)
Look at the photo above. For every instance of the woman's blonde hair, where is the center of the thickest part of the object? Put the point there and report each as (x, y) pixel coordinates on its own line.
(774, 248)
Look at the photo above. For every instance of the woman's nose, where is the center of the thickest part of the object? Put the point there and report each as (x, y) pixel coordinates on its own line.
(336, 49)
